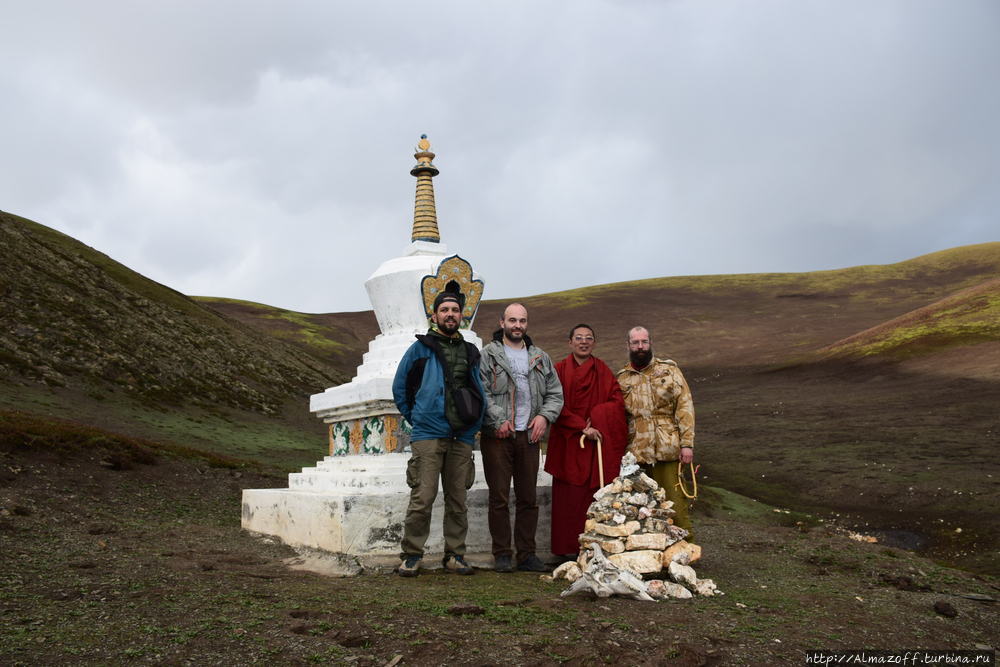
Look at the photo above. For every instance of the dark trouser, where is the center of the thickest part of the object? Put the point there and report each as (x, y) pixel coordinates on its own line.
(452, 461)
(502, 460)
(665, 474)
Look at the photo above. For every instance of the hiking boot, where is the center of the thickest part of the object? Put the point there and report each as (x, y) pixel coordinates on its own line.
(456, 564)
(503, 564)
(409, 567)
(533, 564)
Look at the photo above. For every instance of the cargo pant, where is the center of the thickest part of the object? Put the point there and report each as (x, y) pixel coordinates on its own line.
(451, 460)
(665, 474)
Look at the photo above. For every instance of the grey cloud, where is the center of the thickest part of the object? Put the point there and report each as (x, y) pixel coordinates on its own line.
(262, 151)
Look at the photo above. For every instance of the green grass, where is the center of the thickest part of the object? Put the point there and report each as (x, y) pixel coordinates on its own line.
(302, 329)
(235, 437)
(969, 317)
(861, 282)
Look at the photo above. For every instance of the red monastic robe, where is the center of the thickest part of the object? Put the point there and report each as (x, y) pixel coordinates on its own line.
(590, 391)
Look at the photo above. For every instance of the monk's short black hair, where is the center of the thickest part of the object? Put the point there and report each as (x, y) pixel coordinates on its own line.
(582, 326)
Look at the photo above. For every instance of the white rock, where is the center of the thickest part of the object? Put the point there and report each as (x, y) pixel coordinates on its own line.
(706, 587)
(617, 531)
(629, 465)
(683, 574)
(618, 518)
(639, 499)
(640, 562)
(568, 570)
(657, 541)
(608, 546)
(648, 481)
(681, 552)
(661, 590)
(600, 494)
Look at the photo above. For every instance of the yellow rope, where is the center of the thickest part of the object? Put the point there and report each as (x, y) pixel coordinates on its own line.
(694, 480)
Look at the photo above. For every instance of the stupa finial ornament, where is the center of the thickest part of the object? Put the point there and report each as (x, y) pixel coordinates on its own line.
(425, 225)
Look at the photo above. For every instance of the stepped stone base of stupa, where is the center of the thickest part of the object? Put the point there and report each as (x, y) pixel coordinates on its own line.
(353, 506)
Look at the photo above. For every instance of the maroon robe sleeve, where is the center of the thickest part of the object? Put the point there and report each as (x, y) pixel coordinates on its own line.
(600, 400)
(562, 460)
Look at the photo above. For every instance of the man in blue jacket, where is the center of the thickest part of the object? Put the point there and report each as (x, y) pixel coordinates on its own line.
(438, 390)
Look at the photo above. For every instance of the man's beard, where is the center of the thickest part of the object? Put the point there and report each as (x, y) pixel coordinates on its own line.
(448, 328)
(640, 358)
(513, 336)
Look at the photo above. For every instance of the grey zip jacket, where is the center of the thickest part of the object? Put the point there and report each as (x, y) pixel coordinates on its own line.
(498, 384)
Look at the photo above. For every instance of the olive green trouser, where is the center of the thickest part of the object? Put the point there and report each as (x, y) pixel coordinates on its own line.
(452, 461)
(665, 474)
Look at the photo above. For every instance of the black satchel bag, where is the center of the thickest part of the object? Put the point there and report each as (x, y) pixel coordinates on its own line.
(468, 404)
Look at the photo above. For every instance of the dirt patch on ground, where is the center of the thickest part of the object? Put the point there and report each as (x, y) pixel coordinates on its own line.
(906, 454)
(145, 562)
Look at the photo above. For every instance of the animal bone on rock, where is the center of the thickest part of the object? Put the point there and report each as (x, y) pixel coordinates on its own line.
(604, 579)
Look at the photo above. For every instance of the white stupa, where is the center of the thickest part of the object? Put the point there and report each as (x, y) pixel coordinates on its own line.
(353, 501)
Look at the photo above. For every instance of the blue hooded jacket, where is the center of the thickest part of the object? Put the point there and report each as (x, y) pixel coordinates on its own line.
(426, 414)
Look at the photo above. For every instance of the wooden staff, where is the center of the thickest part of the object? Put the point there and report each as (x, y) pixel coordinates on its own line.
(600, 458)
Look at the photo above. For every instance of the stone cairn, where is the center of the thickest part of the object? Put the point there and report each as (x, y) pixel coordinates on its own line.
(630, 546)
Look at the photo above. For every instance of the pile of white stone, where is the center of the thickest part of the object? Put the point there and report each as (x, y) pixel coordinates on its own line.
(630, 535)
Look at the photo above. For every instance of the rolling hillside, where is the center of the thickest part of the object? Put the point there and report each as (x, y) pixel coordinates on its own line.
(864, 392)
(746, 320)
(83, 336)
(967, 318)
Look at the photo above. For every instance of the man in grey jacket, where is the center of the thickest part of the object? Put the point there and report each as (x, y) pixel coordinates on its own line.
(523, 397)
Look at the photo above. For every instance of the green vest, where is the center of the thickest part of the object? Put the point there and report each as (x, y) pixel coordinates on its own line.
(458, 371)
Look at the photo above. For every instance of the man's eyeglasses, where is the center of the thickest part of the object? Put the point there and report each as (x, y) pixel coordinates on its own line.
(583, 339)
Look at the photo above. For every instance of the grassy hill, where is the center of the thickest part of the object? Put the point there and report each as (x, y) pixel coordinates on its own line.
(786, 412)
(85, 337)
(750, 319)
(131, 416)
(969, 317)
(339, 339)
(720, 320)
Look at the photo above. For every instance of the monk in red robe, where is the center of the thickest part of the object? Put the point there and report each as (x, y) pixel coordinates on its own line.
(594, 409)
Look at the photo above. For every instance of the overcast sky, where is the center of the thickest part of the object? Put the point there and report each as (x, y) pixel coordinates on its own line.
(261, 150)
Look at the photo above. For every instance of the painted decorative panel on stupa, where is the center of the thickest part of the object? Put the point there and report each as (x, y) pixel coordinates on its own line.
(380, 434)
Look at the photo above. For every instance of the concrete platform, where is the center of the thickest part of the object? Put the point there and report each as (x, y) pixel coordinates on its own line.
(352, 507)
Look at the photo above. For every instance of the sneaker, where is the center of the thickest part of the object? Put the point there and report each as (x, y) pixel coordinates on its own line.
(503, 564)
(409, 567)
(457, 565)
(533, 564)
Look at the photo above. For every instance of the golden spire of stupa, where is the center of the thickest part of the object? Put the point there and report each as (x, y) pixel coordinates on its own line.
(425, 223)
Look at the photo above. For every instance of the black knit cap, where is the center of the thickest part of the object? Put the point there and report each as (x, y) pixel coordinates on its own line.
(449, 296)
